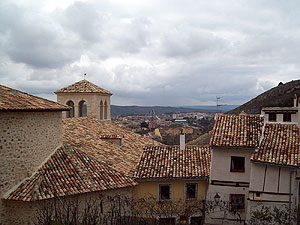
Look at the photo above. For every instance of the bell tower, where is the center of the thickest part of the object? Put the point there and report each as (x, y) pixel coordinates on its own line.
(86, 99)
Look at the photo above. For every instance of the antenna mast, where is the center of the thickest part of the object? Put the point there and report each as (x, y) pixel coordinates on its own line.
(218, 104)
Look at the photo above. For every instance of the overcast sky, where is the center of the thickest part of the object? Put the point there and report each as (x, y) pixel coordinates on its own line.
(156, 52)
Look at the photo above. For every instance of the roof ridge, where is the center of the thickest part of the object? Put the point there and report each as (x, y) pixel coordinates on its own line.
(15, 100)
(83, 86)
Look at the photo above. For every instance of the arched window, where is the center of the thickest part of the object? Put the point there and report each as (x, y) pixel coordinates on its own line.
(105, 110)
(82, 108)
(101, 110)
(71, 112)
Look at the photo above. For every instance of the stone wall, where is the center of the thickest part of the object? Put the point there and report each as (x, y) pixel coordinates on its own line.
(93, 101)
(24, 213)
(26, 140)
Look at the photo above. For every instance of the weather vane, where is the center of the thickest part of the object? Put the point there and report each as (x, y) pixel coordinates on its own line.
(84, 75)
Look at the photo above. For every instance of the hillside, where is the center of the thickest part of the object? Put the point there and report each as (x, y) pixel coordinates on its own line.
(143, 110)
(282, 95)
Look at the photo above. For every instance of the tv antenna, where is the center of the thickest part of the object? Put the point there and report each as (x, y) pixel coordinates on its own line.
(218, 102)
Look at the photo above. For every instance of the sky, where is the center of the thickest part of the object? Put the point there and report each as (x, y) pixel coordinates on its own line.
(151, 52)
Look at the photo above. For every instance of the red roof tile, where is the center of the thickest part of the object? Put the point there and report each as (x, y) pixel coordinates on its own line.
(69, 172)
(169, 162)
(14, 100)
(280, 145)
(86, 134)
(237, 131)
(83, 86)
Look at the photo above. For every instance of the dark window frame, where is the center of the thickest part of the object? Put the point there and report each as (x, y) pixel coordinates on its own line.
(187, 188)
(167, 220)
(287, 117)
(237, 201)
(162, 198)
(272, 117)
(236, 165)
(197, 218)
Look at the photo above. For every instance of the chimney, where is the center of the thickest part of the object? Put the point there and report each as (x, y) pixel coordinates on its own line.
(295, 100)
(182, 140)
(113, 139)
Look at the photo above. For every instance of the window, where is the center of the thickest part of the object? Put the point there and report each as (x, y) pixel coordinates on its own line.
(71, 112)
(165, 192)
(82, 108)
(287, 117)
(167, 221)
(272, 117)
(237, 201)
(191, 191)
(196, 220)
(237, 164)
(101, 110)
(105, 110)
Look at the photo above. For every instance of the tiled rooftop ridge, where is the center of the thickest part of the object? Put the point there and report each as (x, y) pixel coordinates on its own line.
(15, 100)
(68, 172)
(169, 162)
(83, 86)
(85, 134)
(279, 146)
(237, 131)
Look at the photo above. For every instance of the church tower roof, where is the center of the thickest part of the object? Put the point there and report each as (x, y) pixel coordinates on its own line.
(83, 86)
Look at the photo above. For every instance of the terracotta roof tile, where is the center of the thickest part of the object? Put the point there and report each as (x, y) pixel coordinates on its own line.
(14, 100)
(83, 86)
(68, 172)
(86, 134)
(237, 130)
(280, 145)
(169, 162)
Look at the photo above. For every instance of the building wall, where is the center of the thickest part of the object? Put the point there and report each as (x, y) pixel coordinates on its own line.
(24, 213)
(221, 163)
(93, 103)
(295, 118)
(224, 182)
(26, 140)
(273, 185)
(150, 189)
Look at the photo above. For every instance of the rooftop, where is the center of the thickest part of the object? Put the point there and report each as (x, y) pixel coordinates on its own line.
(86, 134)
(83, 86)
(14, 100)
(237, 131)
(279, 146)
(68, 172)
(169, 162)
(280, 109)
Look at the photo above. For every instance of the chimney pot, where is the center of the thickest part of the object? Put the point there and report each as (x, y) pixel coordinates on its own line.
(182, 141)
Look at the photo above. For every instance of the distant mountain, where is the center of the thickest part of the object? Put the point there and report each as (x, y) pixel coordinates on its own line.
(223, 108)
(143, 110)
(282, 95)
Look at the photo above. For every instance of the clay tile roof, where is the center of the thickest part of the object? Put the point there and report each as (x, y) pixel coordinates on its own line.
(169, 162)
(69, 172)
(86, 134)
(237, 131)
(280, 145)
(14, 100)
(83, 86)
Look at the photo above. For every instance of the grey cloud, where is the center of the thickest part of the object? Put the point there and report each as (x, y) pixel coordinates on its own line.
(33, 39)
